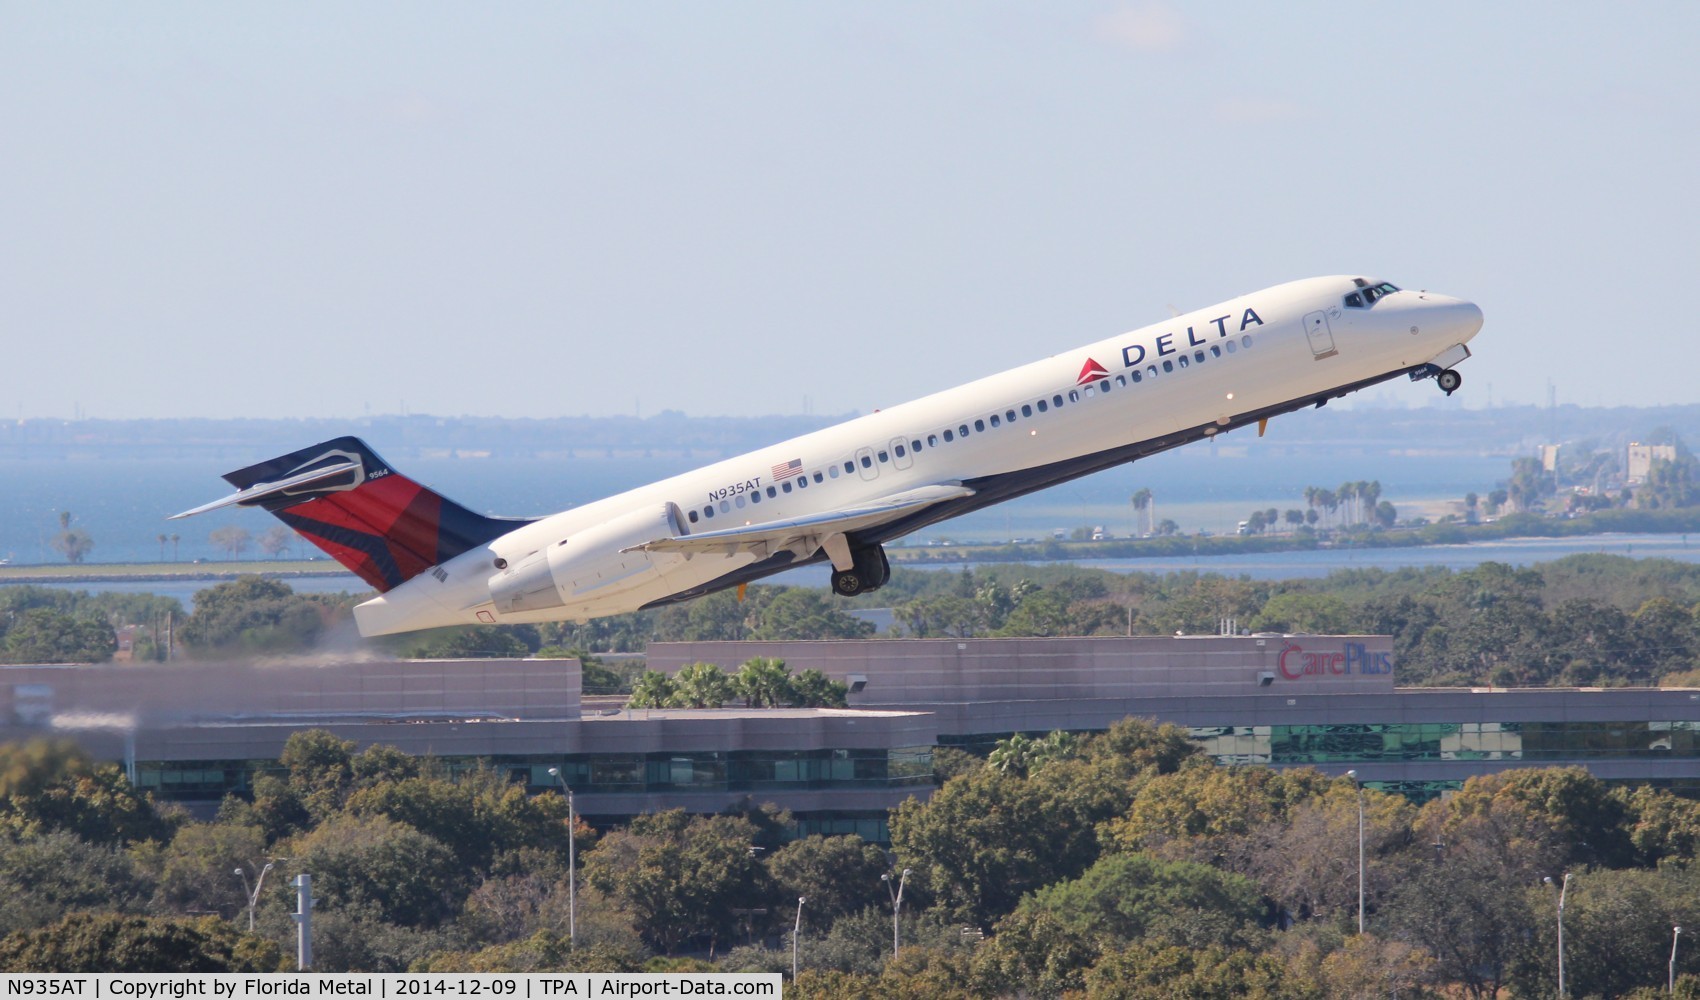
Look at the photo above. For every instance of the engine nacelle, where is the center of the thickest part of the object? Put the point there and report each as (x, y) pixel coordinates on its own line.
(588, 565)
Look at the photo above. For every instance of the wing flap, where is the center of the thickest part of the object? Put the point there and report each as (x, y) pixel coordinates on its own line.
(804, 535)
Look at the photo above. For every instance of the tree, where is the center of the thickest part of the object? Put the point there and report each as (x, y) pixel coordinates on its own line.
(653, 689)
(682, 877)
(108, 942)
(1143, 506)
(473, 642)
(764, 682)
(43, 635)
(838, 875)
(805, 613)
(195, 871)
(74, 544)
(700, 685)
(813, 689)
(56, 786)
(233, 540)
(375, 864)
(44, 876)
(320, 766)
(274, 541)
(252, 614)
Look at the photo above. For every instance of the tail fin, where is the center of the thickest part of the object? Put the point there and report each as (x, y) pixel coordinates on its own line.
(343, 498)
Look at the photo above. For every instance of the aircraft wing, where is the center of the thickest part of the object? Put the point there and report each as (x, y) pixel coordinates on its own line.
(804, 535)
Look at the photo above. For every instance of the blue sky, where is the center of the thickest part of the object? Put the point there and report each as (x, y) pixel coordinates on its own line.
(530, 210)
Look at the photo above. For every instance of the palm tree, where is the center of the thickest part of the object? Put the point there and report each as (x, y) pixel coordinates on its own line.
(175, 538)
(162, 540)
(764, 682)
(701, 685)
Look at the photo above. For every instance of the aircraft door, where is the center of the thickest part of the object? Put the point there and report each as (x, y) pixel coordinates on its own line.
(1320, 337)
(866, 465)
(901, 457)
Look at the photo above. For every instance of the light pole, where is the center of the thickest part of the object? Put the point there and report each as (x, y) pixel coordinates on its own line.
(1563, 889)
(254, 893)
(1675, 933)
(896, 905)
(1360, 788)
(572, 859)
(797, 932)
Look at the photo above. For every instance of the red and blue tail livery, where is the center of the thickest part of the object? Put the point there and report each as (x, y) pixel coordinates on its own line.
(342, 497)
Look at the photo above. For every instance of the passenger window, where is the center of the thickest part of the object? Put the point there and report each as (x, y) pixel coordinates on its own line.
(1056, 400)
(1042, 406)
(739, 501)
(1026, 411)
(803, 481)
(725, 506)
(1245, 341)
(1073, 396)
(1151, 372)
(1198, 356)
(884, 458)
(1121, 380)
(849, 466)
(995, 421)
(771, 493)
(693, 517)
(867, 463)
(786, 485)
(1168, 366)
(962, 431)
(915, 445)
(1230, 346)
(948, 436)
(1136, 375)
(1009, 416)
(833, 471)
(1216, 350)
(708, 512)
(932, 440)
(898, 451)
(1089, 393)
(1180, 361)
(755, 497)
(979, 425)
(817, 478)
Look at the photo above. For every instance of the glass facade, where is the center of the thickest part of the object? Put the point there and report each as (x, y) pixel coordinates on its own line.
(1532, 742)
(605, 773)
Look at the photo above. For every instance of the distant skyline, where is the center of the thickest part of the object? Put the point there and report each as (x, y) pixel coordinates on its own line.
(332, 210)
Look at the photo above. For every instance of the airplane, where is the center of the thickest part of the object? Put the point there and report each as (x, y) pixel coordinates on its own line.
(838, 494)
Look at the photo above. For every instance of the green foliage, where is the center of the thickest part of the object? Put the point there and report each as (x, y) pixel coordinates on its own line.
(653, 689)
(44, 635)
(106, 942)
(255, 615)
(804, 613)
(680, 876)
(398, 874)
(74, 544)
(764, 682)
(472, 642)
(838, 875)
(45, 877)
(700, 685)
(48, 786)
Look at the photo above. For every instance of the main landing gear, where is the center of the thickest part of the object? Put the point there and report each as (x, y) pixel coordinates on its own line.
(1449, 381)
(870, 572)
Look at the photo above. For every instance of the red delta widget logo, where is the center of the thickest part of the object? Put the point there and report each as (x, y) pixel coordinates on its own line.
(1353, 658)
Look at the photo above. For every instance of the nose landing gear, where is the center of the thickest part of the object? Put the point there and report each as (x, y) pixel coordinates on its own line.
(870, 572)
(1449, 381)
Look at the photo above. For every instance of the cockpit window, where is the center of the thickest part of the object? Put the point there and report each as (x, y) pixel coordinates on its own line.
(1370, 293)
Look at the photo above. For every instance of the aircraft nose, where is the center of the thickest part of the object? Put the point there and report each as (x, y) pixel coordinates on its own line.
(1461, 319)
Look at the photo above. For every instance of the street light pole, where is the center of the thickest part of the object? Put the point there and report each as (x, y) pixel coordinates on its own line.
(1360, 789)
(1563, 890)
(797, 932)
(1675, 933)
(254, 893)
(572, 859)
(896, 906)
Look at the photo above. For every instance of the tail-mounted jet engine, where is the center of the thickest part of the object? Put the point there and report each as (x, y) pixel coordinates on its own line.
(588, 565)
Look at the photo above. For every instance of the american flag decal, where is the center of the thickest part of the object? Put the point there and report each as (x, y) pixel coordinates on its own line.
(785, 470)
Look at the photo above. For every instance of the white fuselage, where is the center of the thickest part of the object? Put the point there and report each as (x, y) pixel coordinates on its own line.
(1210, 368)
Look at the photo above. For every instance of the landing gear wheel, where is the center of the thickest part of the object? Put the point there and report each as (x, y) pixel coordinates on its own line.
(1449, 381)
(847, 583)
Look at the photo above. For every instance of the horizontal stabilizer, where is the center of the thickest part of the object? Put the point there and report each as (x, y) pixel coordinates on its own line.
(805, 535)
